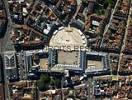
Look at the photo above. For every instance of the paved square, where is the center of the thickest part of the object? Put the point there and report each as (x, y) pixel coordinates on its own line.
(70, 58)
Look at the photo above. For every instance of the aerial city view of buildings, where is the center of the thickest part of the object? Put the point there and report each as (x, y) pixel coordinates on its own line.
(65, 49)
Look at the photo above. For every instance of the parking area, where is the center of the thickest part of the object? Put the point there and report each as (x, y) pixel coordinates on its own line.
(44, 64)
(94, 63)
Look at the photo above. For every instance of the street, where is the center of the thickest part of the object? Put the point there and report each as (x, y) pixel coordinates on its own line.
(108, 25)
(3, 44)
(125, 37)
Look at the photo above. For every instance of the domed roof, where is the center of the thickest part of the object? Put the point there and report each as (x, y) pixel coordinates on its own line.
(68, 37)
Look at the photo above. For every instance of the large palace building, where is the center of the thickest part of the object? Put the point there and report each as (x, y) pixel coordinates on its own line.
(69, 51)
(67, 48)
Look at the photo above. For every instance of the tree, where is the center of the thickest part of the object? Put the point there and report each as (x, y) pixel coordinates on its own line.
(55, 82)
(43, 82)
(108, 3)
